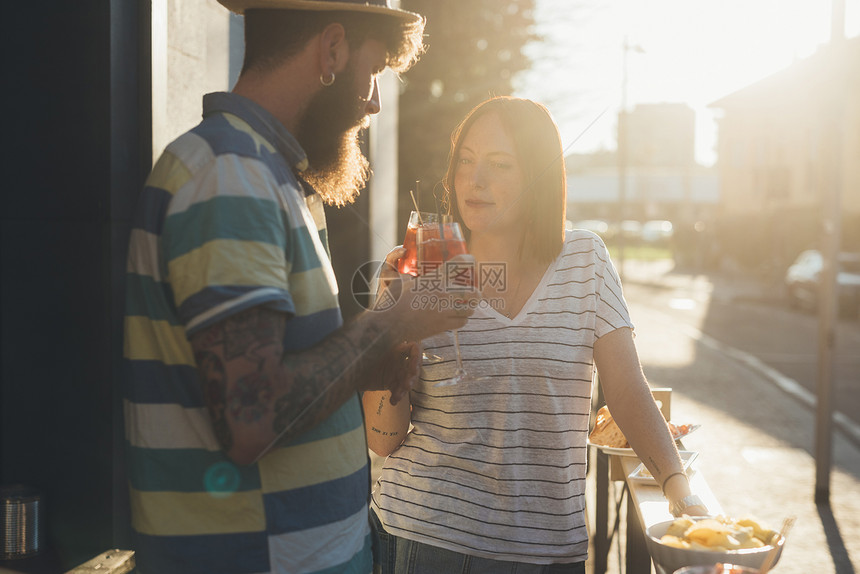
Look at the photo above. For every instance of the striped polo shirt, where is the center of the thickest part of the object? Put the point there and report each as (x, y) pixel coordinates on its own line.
(496, 468)
(222, 225)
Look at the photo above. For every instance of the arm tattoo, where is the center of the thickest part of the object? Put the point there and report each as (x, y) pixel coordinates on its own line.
(296, 390)
(325, 376)
(245, 332)
(238, 337)
(249, 400)
(214, 380)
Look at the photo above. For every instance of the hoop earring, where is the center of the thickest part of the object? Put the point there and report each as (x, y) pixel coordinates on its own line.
(327, 83)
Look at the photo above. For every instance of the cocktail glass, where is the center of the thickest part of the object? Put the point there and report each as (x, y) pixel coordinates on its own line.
(409, 262)
(438, 244)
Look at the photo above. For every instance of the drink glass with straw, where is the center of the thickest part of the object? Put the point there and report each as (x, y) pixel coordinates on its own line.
(408, 264)
(438, 244)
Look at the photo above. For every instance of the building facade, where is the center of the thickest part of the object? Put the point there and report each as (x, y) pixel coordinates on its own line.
(661, 179)
(787, 144)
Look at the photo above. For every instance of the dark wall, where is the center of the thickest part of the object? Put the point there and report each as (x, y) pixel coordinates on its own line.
(349, 241)
(74, 165)
(349, 245)
(77, 148)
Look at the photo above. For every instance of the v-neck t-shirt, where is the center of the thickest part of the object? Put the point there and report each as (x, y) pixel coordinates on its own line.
(496, 467)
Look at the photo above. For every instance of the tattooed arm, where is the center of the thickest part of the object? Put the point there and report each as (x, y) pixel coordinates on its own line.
(629, 399)
(257, 393)
(385, 424)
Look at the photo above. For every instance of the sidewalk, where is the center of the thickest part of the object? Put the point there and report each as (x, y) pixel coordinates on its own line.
(756, 443)
(732, 286)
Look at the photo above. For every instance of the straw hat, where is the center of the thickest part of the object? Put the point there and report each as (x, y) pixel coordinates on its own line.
(374, 6)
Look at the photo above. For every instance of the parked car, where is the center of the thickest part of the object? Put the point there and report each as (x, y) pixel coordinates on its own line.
(804, 276)
(657, 231)
(598, 226)
(629, 230)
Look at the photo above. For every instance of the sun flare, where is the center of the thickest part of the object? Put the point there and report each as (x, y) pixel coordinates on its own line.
(690, 51)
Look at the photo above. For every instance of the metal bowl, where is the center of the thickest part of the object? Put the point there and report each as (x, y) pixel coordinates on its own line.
(670, 558)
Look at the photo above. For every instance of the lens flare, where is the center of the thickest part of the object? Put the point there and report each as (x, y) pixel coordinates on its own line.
(221, 479)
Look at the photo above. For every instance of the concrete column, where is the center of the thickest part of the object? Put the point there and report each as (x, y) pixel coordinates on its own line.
(190, 57)
(383, 157)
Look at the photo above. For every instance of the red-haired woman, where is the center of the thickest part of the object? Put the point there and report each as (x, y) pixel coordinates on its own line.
(490, 477)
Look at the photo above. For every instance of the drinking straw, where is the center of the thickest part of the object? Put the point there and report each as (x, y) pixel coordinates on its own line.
(415, 203)
(441, 228)
(771, 555)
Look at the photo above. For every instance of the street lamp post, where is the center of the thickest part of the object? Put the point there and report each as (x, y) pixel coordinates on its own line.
(831, 235)
(622, 153)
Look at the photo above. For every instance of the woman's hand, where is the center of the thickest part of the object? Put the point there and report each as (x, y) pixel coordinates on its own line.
(399, 370)
(387, 409)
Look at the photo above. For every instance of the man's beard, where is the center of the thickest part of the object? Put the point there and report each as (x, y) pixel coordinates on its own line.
(329, 132)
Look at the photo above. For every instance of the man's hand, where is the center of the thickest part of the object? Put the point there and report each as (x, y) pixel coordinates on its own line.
(428, 305)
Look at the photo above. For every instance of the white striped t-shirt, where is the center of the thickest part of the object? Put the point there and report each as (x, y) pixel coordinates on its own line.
(497, 468)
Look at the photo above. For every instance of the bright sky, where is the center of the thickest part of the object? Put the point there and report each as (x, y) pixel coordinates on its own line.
(693, 51)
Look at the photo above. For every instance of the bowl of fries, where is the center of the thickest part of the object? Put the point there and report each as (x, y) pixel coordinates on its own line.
(710, 540)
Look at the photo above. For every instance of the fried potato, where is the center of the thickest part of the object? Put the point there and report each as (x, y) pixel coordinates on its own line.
(674, 541)
(717, 534)
(679, 527)
(764, 534)
(713, 538)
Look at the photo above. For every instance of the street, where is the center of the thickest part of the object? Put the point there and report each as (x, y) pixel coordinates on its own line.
(723, 348)
(747, 318)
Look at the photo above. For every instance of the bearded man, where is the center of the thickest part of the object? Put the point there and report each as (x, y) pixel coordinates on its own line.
(246, 445)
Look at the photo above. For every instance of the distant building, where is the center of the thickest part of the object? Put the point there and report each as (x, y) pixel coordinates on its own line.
(662, 179)
(777, 139)
(661, 135)
(654, 188)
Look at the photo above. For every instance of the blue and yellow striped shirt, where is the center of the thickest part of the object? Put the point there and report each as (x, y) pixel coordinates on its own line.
(222, 225)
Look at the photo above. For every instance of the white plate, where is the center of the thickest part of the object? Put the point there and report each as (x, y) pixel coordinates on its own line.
(641, 474)
(690, 430)
(629, 451)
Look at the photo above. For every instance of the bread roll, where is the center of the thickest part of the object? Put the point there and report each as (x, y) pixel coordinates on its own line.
(606, 431)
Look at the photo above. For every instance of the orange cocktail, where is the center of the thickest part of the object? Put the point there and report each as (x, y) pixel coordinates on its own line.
(409, 262)
(437, 244)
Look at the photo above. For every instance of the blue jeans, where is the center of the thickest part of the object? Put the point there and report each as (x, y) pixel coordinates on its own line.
(396, 555)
